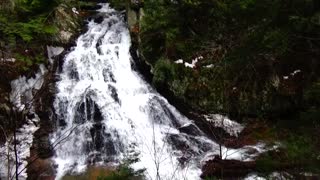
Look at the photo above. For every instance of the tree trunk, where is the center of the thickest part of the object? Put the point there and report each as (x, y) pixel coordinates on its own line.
(15, 144)
(15, 152)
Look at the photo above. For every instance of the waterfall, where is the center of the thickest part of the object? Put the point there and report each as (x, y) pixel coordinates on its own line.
(106, 112)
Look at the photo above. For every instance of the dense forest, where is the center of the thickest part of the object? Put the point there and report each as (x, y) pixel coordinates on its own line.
(258, 58)
(255, 61)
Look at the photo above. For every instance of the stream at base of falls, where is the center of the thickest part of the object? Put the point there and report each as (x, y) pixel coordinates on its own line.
(107, 113)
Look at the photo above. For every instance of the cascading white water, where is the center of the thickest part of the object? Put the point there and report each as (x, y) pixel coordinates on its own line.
(106, 112)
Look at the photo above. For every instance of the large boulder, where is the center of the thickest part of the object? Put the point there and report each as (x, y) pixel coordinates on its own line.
(67, 19)
(224, 168)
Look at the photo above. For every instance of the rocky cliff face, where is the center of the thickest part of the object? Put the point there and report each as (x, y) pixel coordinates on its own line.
(69, 24)
(69, 18)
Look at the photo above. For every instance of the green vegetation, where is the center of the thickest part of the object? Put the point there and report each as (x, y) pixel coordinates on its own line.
(122, 173)
(164, 73)
(298, 153)
(23, 26)
(118, 4)
(264, 64)
(27, 26)
(263, 57)
(311, 114)
(254, 46)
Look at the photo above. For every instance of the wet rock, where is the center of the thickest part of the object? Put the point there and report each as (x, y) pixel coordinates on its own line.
(177, 142)
(190, 129)
(97, 114)
(67, 22)
(41, 169)
(138, 63)
(91, 7)
(88, 111)
(94, 157)
(218, 134)
(30, 116)
(73, 74)
(41, 143)
(4, 108)
(221, 168)
(161, 113)
(79, 118)
(98, 19)
(107, 75)
(114, 93)
(97, 137)
(202, 146)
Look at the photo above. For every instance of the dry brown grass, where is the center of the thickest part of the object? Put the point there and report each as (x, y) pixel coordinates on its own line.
(92, 173)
